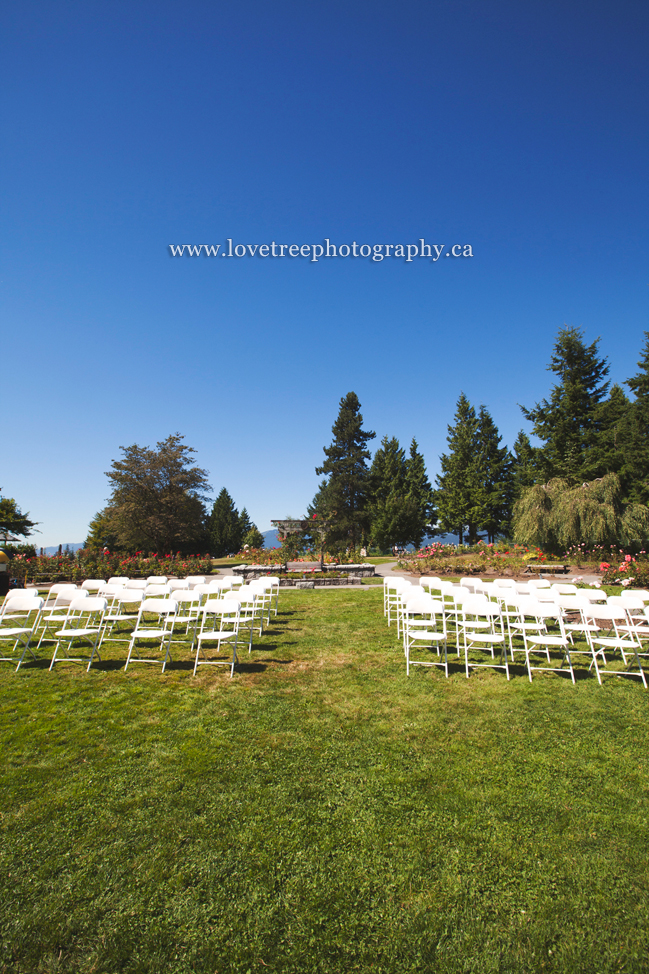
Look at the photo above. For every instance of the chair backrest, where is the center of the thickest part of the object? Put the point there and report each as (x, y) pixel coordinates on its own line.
(564, 589)
(195, 580)
(235, 579)
(93, 584)
(539, 583)
(230, 596)
(540, 610)
(126, 595)
(178, 583)
(572, 603)
(159, 606)
(222, 607)
(603, 612)
(25, 604)
(185, 596)
(151, 591)
(157, 580)
(111, 589)
(136, 583)
(119, 578)
(423, 605)
(89, 605)
(505, 582)
(524, 588)
(59, 587)
(638, 593)
(221, 584)
(628, 601)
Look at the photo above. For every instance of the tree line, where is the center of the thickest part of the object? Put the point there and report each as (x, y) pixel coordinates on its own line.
(585, 478)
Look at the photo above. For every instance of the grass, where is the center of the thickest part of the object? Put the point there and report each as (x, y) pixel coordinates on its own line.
(321, 812)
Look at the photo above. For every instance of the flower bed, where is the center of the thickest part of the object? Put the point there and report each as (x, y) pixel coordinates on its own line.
(83, 565)
(479, 559)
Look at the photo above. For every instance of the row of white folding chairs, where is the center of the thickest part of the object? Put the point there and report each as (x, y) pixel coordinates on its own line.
(454, 612)
(606, 628)
(89, 618)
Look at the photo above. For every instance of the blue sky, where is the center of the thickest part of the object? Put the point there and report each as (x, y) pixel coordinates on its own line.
(520, 129)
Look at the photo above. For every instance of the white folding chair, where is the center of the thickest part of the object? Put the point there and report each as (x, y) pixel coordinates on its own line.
(218, 586)
(612, 639)
(539, 583)
(55, 613)
(247, 610)
(118, 578)
(161, 628)
(539, 639)
(188, 612)
(482, 629)
(263, 589)
(119, 612)
(24, 613)
(220, 623)
(135, 583)
(84, 621)
(424, 625)
(157, 580)
(274, 580)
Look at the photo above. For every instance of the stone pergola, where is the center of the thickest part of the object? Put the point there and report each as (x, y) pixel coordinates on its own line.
(312, 526)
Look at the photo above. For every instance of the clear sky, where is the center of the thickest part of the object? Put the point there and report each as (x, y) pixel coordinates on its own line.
(520, 129)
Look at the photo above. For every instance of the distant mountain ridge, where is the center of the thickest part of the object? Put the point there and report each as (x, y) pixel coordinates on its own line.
(54, 549)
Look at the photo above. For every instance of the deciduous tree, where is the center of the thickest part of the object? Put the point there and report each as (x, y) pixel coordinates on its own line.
(157, 498)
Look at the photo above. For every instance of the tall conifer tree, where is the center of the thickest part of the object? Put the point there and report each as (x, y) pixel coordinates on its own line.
(495, 476)
(419, 490)
(225, 526)
(393, 514)
(569, 421)
(345, 490)
(457, 485)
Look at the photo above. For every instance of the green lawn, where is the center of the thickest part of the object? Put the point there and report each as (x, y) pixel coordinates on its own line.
(321, 812)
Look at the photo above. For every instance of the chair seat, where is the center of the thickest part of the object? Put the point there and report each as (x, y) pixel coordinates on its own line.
(489, 638)
(547, 641)
(10, 633)
(216, 634)
(150, 633)
(63, 633)
(426, 635)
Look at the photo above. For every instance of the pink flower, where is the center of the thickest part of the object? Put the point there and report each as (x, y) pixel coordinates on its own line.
(628, 558)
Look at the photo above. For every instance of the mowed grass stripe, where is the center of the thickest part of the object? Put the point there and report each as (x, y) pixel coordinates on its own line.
(321, 811)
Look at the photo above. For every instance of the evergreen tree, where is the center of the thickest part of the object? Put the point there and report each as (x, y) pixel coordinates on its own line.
(347, 474)
(100, 532)
(524, 464)
(393, 514)
(495, 477)
(614, 442)
(569, 422)
(245, 524)
(636, 432)
(224, 526)
(419, 490)
(458, 483)
(253, 538)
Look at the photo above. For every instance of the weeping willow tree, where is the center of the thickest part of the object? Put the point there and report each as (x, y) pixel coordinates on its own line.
(557, 515)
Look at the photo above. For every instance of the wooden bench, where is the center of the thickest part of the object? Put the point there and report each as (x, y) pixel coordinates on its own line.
(563, 569)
